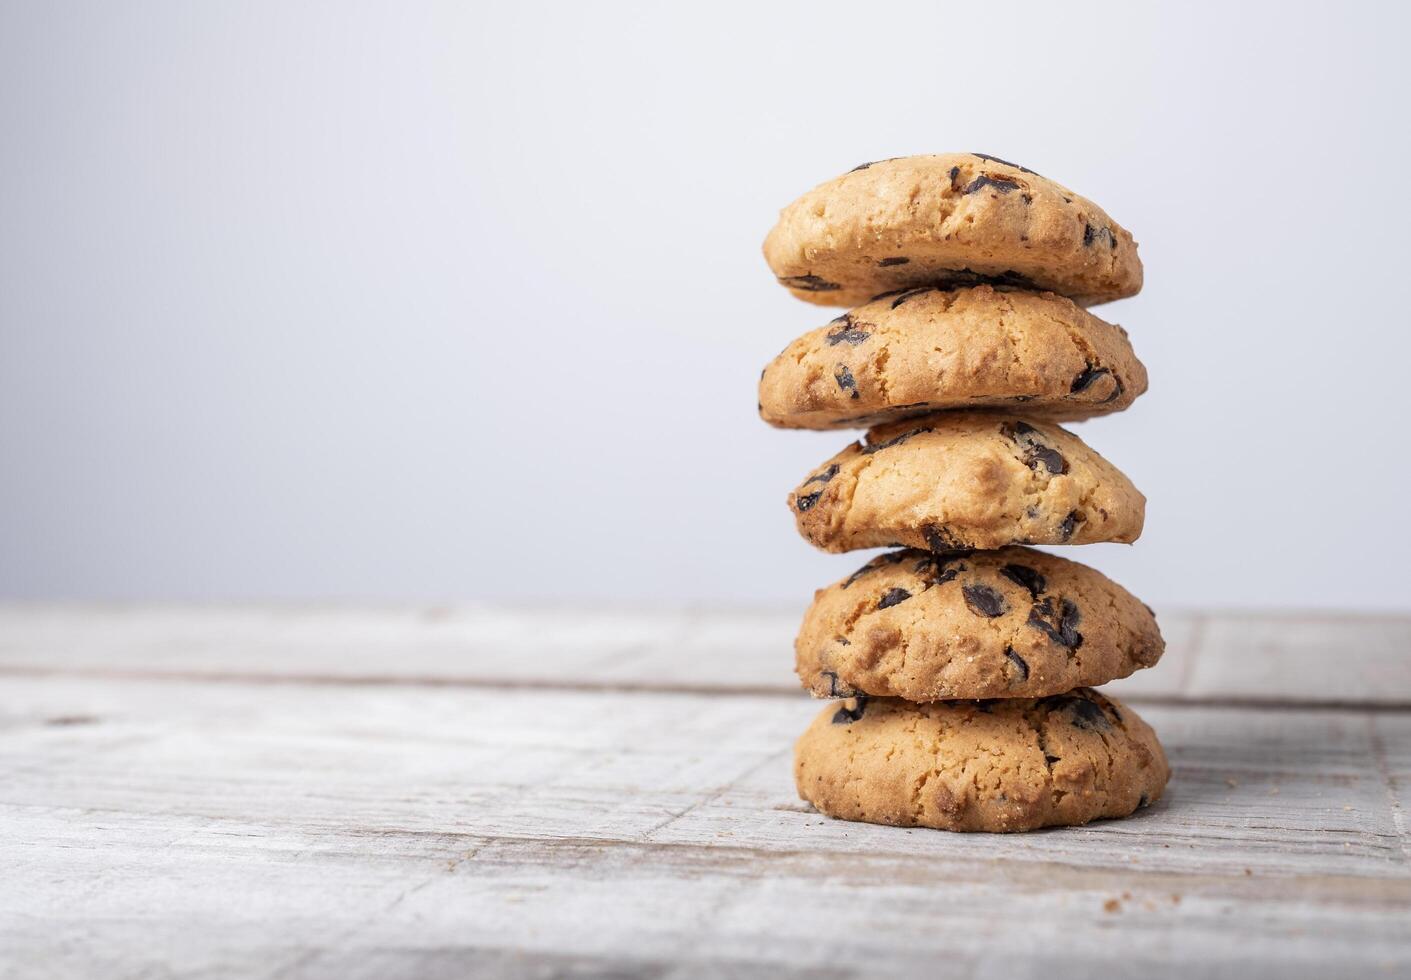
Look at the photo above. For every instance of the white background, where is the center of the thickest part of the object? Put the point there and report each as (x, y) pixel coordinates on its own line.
(466, 301)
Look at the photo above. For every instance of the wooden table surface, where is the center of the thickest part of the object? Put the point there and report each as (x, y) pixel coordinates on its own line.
(491, 791)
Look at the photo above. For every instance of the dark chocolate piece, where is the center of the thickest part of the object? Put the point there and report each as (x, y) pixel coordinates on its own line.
(1025, 576)
(984, 601)
(1018, 662)
(823, 477)
(893, 597)
(1059, 624)
(845, 380)
(845, 716)
(809, 284)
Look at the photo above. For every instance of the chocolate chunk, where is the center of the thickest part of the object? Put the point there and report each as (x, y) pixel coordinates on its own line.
(938, 539)
(1002, 184)
(850, 333)
(983, 601)
(1036, 451)
(963, 278)
(1018, 662)
(1025, 576)
(836, 690)
(877, 447)
(955, 178)
(881, 561)
(1085, 380)
(986, 156)
(1012, 278)
(889, 415)
(894, 260)
(945, 574)
(1088, 375)
(1050, 457)
(871, 163)
(892, 598)
(1143, 802)
(1084, 714)
(941, 568)
(809, 284)
(1059, 625)
(807, 501)
(1091, 234)
(845, 380)
(906, 294)
(1069, 525)
(845, 716)
(823, 477)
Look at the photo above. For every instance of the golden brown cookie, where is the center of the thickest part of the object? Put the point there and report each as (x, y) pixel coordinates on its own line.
(980, 765)
(948, 219)
(1012, 623)
(966, 480)
(932, 349)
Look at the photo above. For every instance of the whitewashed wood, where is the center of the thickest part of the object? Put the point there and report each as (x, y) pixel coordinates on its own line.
(345, 792)
(1352, 659)
(1210, 657)
(157, 827)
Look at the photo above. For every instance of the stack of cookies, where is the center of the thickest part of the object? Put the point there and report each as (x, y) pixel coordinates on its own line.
(966, 657)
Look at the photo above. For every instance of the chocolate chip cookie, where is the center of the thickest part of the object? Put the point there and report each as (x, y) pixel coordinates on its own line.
(930, 349)
(948, 219)
(957, 480)
(1012, 623)
(980, 765)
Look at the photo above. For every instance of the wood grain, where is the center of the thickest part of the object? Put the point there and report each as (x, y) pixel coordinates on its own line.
(349, 793)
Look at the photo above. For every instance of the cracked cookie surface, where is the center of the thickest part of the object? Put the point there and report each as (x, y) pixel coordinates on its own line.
(966, 480)
(980, 765)
(931, 349)
(949, 219)
(1012, 623)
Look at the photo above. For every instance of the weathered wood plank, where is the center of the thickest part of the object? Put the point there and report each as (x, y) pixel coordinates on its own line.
(153, 827)
(1226, 657)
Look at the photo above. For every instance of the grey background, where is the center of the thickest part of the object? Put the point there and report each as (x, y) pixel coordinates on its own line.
(445, 301)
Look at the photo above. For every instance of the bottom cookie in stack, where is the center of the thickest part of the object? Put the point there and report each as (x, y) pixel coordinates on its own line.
(1000, 765)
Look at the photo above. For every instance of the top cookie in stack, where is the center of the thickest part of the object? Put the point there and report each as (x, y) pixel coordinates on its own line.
(948, 219)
